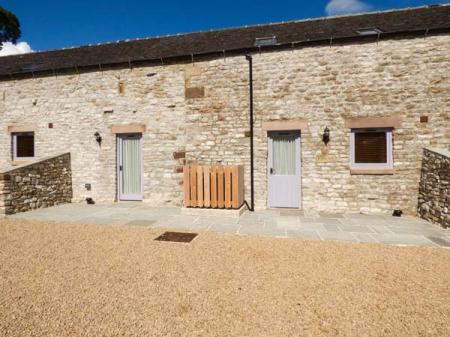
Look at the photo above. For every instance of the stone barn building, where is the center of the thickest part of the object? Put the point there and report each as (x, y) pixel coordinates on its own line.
(342, 109)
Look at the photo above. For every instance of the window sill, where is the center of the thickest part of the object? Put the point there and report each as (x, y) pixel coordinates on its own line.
(373, 171)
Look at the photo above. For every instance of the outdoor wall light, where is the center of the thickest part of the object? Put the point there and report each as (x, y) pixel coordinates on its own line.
(98, 138)
(326, 135)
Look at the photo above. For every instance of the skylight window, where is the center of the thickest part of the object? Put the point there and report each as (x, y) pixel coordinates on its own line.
(265, 41)
(32, 66)
(369, 31)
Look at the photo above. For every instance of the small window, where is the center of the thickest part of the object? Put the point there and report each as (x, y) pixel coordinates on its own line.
(23, 145)
(371, 149)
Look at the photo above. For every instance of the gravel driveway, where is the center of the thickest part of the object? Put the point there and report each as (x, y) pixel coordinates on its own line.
(91, 280)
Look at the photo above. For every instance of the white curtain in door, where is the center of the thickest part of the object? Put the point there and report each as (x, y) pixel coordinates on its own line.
(284, 154)
(131, 152)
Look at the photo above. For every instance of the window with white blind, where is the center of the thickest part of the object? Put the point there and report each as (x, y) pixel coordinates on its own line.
(371, 149)
(23, 145)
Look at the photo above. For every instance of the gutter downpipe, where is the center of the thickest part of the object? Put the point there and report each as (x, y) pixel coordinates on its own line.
(252, 182)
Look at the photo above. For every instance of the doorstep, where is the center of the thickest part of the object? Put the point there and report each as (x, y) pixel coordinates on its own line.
(229, 213)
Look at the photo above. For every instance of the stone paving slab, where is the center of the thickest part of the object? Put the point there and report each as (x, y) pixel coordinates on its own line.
(331, 227)
(356, 229)
(403, 239)
(309, 225)
(440, 241)
(143, 223)
(303, 234)
(365, 237)
(381, 229)
(231, 229)
(341, 236)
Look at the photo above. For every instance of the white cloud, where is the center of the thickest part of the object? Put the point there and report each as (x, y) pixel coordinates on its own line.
(340, 7)
(9, 48)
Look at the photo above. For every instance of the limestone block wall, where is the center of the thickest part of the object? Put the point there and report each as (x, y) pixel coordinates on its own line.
(78, 106)
(434, 191)
(198, 112)
(41, 184)
(325, 86)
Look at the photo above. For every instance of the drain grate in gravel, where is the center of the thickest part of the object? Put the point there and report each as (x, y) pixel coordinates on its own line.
(176, 237)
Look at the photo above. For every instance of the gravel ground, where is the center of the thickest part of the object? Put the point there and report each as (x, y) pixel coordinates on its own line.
(88, 280)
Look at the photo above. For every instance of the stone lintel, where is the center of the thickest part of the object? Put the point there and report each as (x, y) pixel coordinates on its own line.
(128, 128)
(374, 122)
(282, 125)
(22, 128)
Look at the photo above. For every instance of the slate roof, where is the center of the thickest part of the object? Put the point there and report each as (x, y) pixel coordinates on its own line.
(420, 20)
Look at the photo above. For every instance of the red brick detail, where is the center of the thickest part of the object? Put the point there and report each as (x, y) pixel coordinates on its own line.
(179, 155)
(195, 92)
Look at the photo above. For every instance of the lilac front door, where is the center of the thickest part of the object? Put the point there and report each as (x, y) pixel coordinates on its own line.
(283, 169)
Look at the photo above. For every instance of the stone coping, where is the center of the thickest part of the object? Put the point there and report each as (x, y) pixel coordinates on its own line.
(442, 152)
(7, 172)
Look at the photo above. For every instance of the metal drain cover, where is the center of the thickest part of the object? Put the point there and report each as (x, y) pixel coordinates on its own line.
(176, 237)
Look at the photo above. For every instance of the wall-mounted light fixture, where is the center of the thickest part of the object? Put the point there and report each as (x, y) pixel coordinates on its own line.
(98, 138)
(326, 135)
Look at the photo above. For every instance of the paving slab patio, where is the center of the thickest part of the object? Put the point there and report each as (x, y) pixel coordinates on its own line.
(406, 230)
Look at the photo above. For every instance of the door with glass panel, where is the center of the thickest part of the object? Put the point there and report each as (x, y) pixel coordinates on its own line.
(284, 169)
(130, 167)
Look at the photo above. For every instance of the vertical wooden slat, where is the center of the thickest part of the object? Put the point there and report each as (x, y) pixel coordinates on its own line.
(186, 186)
(227, 186)
(235, 187)
(200, 186)
(193, 179)
(207, 187)
(241, 188)
(220, 187)
(214, 186)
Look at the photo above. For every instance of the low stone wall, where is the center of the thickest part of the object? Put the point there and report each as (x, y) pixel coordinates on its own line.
(434, 188)
(40, 184)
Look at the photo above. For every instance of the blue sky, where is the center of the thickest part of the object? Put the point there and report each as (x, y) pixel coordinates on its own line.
(51, 24)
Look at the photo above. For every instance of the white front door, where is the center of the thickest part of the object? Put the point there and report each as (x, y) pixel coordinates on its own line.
(129, 167)
(283, 169)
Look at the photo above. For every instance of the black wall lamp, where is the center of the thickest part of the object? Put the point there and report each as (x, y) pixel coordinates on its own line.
(326, 135)
(98, 138)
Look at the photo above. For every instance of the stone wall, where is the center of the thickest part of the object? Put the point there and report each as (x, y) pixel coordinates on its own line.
(199, 112)
(434, 191)
(325, 86)
(41, 184)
